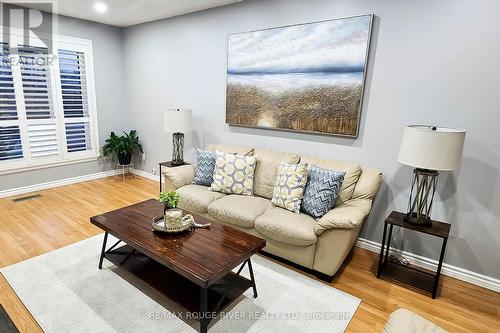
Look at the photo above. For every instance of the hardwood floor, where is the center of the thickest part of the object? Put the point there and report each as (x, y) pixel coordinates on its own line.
(61, 217)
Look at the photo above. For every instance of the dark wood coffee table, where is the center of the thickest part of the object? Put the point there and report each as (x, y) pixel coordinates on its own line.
(194, 268)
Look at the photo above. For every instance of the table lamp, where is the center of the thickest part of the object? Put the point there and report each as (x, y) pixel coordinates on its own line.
(428, 149)
(178, 122)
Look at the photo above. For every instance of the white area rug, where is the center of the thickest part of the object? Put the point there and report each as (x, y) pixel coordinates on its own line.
(66, 292)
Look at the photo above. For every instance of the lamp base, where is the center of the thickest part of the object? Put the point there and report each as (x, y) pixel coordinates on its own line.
(177, 149)
(423, 188)
(423, 220)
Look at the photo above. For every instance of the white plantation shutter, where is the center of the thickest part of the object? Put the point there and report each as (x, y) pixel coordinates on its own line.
(47, 103)
(8, 109)
(35, 74)
(10, 143)
(39, 108)
(10, 135)
(77, 137)
(43, 140)
(73, 84)
(75, 100)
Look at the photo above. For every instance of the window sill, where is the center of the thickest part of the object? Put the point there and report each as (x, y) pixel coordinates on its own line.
(48, 165)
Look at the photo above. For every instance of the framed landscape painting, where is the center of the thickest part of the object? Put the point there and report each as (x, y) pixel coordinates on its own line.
(306, 77)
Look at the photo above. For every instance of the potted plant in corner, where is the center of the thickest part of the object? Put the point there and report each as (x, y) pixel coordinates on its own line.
(123, 147)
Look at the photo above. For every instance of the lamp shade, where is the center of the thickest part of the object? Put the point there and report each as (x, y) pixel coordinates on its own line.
(178, 121)
(432, 147)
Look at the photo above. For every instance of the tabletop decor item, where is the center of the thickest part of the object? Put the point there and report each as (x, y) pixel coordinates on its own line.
(428, 149)
(122, 147)
(304, 77)
(173, 222)
(169, 199)
(172, 217)
(178, 122)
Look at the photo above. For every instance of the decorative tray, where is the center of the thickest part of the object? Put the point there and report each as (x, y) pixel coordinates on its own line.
(187, 222)
(183, 225)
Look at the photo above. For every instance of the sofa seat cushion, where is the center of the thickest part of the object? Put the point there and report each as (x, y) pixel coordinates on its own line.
(196, 198)
(240, 210)
(284, 226)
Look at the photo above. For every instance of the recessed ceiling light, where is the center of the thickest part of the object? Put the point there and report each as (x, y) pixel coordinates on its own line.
(100, 7)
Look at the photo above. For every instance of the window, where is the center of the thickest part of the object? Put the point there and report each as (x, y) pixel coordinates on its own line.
(47, 103)
(10, 135)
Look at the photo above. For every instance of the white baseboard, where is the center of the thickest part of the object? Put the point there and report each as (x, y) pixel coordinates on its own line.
(147, 175)
(447, 269)
(55, 183)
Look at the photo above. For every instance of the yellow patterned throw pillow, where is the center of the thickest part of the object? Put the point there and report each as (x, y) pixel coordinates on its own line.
(233, 174)
(290, 185)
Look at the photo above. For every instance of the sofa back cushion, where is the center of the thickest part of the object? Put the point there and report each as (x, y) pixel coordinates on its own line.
(240, 150)
(352, 173)
(266, 170)
(368, 184)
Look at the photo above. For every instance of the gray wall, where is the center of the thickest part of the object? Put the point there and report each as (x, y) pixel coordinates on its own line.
(107, 47)
(432, 62)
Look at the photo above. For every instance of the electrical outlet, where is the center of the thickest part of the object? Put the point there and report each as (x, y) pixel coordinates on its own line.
(143, 156)
(154, 171)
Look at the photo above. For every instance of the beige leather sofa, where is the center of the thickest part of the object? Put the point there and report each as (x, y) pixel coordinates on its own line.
(320, 245)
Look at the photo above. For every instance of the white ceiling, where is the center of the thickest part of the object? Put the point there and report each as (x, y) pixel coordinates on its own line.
(124, 13)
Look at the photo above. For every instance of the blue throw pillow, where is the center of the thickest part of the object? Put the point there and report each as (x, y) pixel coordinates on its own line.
(322, 188)
(205, 165)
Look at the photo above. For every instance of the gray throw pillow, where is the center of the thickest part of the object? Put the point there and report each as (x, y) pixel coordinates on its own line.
(322, 188)
(205, 165)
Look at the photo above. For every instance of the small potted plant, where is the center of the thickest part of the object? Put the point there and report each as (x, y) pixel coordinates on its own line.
(122, 147)
(170, 200)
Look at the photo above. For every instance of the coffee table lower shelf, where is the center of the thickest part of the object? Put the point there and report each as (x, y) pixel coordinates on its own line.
(181, 290)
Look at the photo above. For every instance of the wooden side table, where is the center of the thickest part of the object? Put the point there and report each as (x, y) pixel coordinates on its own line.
(167, 164)
(417, 277)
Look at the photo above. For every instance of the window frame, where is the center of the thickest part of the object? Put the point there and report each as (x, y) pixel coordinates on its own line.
(63, 157)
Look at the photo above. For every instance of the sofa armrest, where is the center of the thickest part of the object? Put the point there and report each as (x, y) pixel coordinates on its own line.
(347, 215)
(178, 176)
